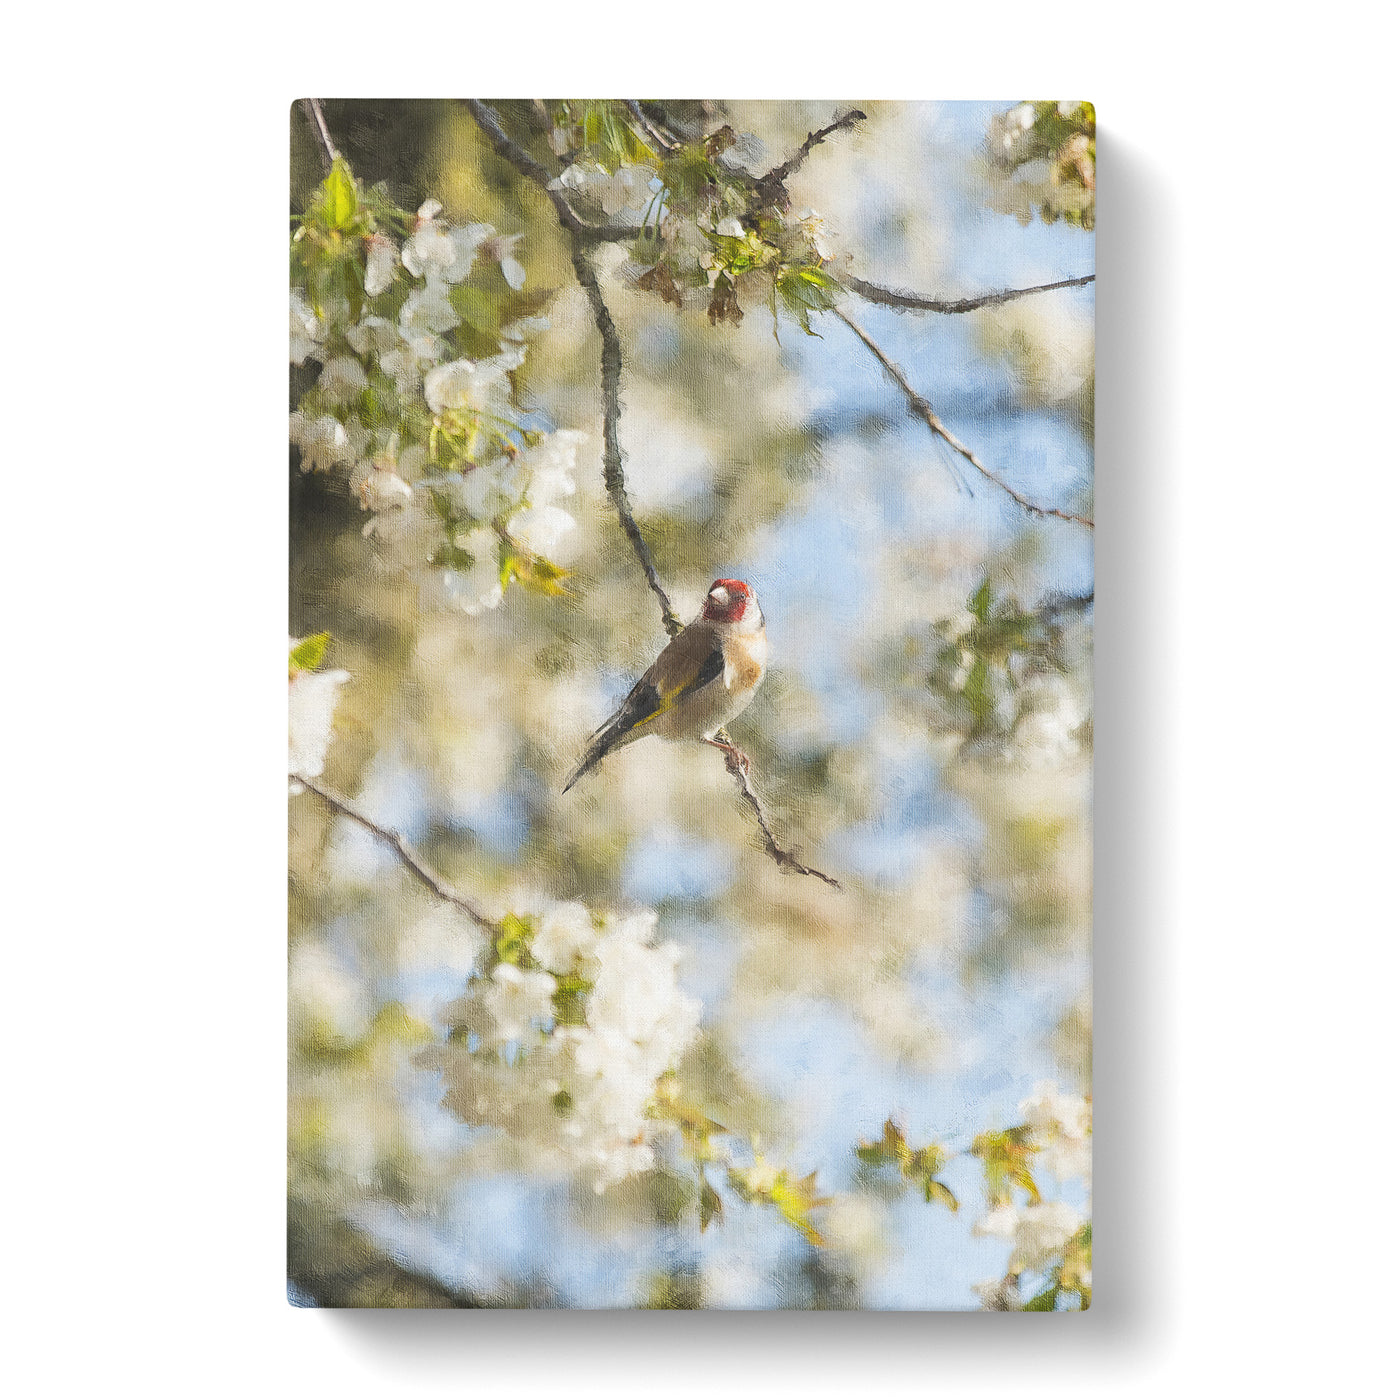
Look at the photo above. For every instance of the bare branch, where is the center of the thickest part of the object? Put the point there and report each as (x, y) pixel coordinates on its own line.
(312, 107)
(490, 124)
(1060, 604)
(737, 762)
(589, 234)
(921, 408)
(613, 477)
(907, 301)
(779, 174)
(406, 853)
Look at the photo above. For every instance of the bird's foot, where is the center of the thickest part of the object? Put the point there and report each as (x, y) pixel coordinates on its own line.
(735, 759)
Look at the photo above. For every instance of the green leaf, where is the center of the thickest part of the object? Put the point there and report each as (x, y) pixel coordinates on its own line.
(513, 942)
(341, 202)
(532, 571)
(804, 290)
(980, 604)
(308, 653)
(571, 1000)
(794, 1200)
(1043, 1301)
(711, 1204)
(936, 1190)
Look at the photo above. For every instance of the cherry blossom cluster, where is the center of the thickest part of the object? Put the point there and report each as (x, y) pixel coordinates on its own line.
(1050, 1240)
(415, 327)
(1044, 156)
(563, 1042)
(708, 229)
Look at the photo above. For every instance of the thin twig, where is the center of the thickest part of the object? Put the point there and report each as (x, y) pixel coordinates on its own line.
(921, 408)
(613, 477)
(1058, 604)
(312, 107)
(907, 301)
(406, 853)
(662, 120)
(738, 764)
(779, 174)
(635, 108)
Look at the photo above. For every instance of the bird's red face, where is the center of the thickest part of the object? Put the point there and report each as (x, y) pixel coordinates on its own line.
(727, 600)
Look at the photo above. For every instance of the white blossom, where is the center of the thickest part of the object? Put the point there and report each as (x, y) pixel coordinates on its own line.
(1048, 1108)
(373, 333)
(1045, 734)
(1038, 1234)
(429, 247)
(380, 262)
(323, 441)
(1000, 1221)
(1042, 1232)
(580, 1095)
(1064, 1124)
(627, 188)
(434, 250)
(517, 999)
(502, 249)
(565, 933)
(383, 489)
(540, 528)
(311, 701)
(815, 229)
(470, 385)
(406, 361)
(479, 587)
(342, 380)
(307, 329)
(551, 465)
(322, 987)
(427, 310)
(730, 228)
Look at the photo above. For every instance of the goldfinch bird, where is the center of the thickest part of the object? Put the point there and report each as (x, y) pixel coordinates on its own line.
(704, 676)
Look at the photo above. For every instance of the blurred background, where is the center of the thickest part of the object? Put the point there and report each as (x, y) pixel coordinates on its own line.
(924, 734)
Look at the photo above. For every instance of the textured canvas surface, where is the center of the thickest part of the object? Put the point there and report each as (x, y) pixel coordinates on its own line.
(729, 464)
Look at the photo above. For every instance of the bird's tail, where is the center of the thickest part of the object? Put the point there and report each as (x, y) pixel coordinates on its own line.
(598, 746)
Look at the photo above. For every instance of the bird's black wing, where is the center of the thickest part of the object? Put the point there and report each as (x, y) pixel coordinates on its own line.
(651, 696)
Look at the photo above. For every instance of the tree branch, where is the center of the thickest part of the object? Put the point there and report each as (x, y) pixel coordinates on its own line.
(490, 124)
(406, 853)
(736, 760)
(921, 408)
(312, 107)
(640, 117)
(779, 174)
(613, 477)
(907, 301)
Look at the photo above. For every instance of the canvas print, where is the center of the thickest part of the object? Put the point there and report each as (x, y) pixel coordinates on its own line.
(690, 704)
